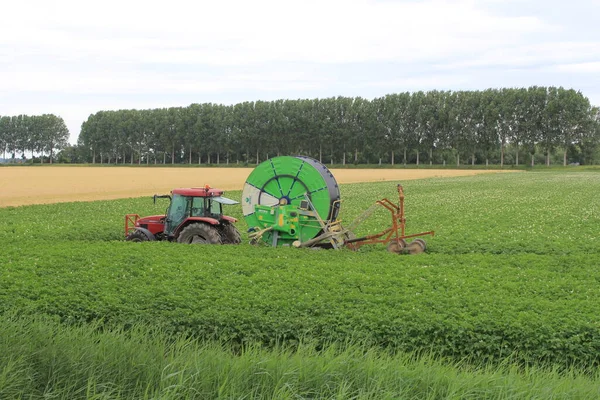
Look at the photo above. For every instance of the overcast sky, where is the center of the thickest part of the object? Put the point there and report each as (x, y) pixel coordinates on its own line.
(76, 58)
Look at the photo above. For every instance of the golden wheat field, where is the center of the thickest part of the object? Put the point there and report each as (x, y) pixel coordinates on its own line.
(54, 184)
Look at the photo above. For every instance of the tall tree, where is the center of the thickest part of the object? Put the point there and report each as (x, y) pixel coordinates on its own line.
(504, 106)
(4, 134)
(534, 120)
(463, 117)
(488, 137)
(573, 118)
(518, 119)
(56, 137)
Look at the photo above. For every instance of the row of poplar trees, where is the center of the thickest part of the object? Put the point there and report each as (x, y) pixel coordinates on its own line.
(41, 134)
(473, 126)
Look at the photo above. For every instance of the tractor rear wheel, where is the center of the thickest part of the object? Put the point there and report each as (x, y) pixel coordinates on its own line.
(137, 236)
(230, 234)
(199, 233)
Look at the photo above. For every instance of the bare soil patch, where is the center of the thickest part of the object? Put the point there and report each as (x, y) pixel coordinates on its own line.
(55, 184)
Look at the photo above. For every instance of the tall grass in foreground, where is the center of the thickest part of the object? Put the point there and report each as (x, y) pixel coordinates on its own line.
(40, 358)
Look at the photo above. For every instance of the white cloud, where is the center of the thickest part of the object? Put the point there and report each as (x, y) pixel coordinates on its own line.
(586, 68)
(541, 54)
(242, 32)
(75, 58)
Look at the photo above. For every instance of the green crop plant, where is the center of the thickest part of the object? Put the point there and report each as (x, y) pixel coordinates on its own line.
(512, 272)
(41, 358)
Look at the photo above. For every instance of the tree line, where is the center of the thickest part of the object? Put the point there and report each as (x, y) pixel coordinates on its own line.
(499, 126)
(462, 126)
(41, 134)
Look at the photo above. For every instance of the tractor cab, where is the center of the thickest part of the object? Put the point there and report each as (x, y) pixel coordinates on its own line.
(194, 215)
(194, 203)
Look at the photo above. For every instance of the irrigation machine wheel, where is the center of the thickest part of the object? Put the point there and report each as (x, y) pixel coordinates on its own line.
(417, 246)
(396, 246)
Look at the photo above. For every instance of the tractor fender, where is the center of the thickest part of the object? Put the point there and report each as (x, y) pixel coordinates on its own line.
(208, 220)
(229, 219)
(146, 232)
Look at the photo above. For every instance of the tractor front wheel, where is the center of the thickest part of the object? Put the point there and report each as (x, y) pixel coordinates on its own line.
(230, 234)
(137, 236)
(199, 234)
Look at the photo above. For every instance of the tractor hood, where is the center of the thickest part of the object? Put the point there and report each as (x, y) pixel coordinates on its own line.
(153, 219)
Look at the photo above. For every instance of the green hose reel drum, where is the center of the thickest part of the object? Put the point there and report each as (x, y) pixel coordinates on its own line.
(280, 191)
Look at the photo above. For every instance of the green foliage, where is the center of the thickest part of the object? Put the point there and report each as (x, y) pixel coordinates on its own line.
(512, 270)
(404, 127)
(42, 134)
(41, 359)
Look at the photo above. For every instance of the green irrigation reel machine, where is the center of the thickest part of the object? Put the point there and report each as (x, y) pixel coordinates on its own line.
(295, 201)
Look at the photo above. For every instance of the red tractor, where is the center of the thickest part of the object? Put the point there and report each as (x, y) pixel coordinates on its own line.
(194, 216)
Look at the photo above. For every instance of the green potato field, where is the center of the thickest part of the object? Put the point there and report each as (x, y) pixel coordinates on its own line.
(512, 272)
